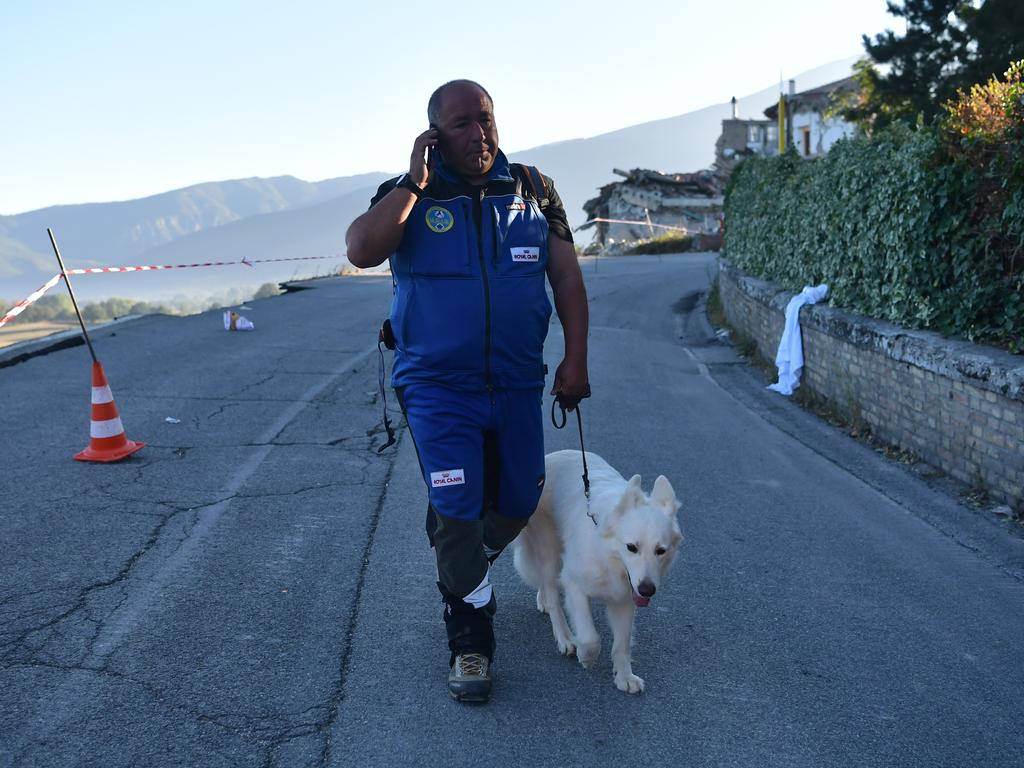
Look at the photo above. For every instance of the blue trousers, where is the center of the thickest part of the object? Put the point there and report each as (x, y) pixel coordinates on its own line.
(482, 458)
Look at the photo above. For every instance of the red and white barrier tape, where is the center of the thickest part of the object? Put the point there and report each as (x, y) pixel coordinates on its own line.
(151, 267)
(24, 304)
(21, 306)
(623, 221)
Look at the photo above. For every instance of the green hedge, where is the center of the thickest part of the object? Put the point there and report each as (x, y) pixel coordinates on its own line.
(904, 226)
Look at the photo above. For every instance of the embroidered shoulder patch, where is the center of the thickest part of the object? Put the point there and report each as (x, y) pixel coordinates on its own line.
(439, 219)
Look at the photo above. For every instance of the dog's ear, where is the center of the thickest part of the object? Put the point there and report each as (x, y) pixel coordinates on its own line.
(662, 495)
(631, 497)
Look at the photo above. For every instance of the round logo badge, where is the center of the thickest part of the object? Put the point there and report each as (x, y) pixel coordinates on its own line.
(439, 219)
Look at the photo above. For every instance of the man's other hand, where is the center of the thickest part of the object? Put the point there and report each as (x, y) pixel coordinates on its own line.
(571, 380)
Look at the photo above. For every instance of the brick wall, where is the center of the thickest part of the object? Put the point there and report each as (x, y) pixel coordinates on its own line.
(958, 406)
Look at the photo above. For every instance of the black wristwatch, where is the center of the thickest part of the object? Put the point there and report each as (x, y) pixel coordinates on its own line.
(405, 181)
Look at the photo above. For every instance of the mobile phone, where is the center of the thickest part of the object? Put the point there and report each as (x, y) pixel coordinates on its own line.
(431, 150)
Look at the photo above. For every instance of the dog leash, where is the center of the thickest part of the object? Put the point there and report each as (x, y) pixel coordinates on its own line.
(387, 338)
(572, 403)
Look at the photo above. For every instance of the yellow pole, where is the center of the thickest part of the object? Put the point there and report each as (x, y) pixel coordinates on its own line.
(782, 123)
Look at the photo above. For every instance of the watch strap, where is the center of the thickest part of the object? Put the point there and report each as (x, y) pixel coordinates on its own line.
(405, 181)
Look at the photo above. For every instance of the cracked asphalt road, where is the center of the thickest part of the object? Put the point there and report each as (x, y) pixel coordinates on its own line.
(253, 588)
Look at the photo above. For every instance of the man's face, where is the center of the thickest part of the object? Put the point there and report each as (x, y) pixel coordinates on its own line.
(467, 132)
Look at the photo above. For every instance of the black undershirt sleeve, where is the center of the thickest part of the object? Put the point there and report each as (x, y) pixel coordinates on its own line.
(383, 189)
(558, 222)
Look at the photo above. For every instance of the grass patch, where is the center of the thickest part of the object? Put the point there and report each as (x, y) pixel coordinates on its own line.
(716, 311)
(745, 345)
(851, 423)
(669, 243)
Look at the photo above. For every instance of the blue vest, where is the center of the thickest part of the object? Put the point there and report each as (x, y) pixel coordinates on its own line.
(470, 309)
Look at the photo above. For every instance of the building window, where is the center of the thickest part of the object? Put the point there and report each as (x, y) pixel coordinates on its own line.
(754, 134)
(807, 142)
(773, 133)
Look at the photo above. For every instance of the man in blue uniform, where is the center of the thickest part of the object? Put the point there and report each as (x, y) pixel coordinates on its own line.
(471, 239)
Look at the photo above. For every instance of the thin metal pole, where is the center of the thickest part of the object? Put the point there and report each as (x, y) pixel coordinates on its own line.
(74, 303)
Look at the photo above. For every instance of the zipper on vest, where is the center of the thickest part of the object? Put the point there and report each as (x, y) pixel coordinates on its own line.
(494, 244)
(478, 202)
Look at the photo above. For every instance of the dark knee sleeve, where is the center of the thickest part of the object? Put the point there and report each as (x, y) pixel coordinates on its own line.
(461, 568)
(461, 563)
(499, 530)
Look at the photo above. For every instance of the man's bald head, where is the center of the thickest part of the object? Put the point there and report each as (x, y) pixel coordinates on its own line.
(434, 105)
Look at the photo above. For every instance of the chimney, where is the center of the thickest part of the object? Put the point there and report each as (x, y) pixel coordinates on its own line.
(735, 109)
(792, 88)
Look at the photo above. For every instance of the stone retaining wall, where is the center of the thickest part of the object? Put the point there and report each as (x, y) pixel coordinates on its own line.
(958, 406)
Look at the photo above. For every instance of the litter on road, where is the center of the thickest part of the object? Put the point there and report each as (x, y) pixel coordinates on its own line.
(236, 322)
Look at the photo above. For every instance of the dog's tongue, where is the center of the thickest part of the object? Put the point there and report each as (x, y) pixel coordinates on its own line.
(641, 602)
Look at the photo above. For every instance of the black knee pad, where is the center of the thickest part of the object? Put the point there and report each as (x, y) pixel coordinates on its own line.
(499, 530)
(458, 546)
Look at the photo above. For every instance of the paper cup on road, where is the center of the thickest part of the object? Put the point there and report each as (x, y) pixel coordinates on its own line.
(235, 322)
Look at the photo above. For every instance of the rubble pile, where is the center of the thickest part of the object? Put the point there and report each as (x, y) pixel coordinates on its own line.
(662, 203)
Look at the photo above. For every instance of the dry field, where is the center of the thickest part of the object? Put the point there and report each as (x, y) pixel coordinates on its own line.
(15, 331)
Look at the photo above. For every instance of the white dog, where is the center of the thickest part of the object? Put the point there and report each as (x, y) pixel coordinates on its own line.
(621, 560)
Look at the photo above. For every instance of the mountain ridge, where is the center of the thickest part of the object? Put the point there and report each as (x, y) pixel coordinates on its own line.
(145, 229)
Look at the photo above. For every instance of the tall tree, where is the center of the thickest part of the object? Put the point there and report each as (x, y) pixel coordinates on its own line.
(918, 70)
(949, 44)
(997, 29)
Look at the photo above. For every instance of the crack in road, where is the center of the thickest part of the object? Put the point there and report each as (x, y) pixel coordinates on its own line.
(221, 410)
(255, 384)
(140, 593)
(273, 729)
(345, 662)
(84, 593)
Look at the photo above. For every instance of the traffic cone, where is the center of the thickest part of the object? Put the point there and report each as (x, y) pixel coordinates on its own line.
(107, 440)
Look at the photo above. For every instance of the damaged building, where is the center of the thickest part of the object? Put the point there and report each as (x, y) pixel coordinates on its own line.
(650, 203)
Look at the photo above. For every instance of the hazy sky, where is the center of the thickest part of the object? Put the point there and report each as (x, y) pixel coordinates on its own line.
(111, 100)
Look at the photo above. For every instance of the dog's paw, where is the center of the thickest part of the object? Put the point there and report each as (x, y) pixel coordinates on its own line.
(566, 647)
(587, 653)
(540, 604)
(629, 683)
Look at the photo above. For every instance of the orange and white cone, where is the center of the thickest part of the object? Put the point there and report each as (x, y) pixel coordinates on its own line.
(107, 440)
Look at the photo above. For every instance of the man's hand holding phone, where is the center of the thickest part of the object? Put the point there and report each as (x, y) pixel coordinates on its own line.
(425, 143)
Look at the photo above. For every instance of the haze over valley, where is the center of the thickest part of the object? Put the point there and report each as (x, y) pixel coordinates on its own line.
(286, 217)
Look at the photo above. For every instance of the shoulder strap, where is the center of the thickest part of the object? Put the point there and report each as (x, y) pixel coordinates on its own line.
(533, 179)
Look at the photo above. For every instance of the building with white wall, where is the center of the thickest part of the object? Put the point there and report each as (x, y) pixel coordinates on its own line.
(811, 128)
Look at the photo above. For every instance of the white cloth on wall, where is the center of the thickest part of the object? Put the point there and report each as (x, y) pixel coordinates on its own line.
(790, 357)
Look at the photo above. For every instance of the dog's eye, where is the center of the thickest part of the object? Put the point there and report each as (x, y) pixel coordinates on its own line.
(659, 551)
(632, 548)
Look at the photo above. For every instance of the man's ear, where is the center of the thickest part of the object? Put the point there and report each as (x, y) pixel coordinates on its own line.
(664, 496)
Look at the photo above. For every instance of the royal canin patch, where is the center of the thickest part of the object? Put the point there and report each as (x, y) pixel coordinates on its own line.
(447, 477)
(528, 253)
